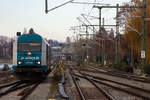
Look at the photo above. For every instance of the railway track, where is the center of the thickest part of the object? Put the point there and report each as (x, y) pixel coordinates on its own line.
(118, 89)
(23, 89)
(78, 87)
(5, 77)
(121, 74)
(133, 90)
(106, 95)
(9, 84)
(137, 92)
(124, 80)
(28, 91)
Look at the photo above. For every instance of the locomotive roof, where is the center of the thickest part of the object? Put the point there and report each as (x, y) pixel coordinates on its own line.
(30, 38)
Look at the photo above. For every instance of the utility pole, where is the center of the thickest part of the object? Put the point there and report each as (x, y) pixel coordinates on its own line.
(100, 13)
(87, 36)
(103, 45)
(117, 58)
(100, 34)
(132, 54)
(48, 10)
(46, 6)
(144, 37)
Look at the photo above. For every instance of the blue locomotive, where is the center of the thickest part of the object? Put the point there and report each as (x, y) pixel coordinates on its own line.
(31, 54)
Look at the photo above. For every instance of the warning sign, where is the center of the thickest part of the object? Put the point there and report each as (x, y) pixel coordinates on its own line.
(143, 54)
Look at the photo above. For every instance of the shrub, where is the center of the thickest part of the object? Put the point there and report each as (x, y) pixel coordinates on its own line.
(117, 66)
(147, 68)
(128, 69)
(123, 67)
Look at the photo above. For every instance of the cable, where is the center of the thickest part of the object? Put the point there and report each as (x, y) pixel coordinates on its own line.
(60, 5)
(88, 3)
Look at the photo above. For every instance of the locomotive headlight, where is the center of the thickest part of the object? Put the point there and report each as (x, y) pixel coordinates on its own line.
(19, 62)
(38, 62)
(29, 53)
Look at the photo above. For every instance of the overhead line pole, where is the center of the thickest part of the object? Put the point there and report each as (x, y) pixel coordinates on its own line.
(144, 37)
(100, 11)
(117, 26)
(87, 36)
(88, 21)
(117, 59)
(102, 39)
(46, 6)
(48, 10)
(103, 45)
(71, 1)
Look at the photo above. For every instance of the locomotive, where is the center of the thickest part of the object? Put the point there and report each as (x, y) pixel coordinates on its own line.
(31, 54)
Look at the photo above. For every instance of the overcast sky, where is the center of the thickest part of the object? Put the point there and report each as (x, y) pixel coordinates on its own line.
(15, 15)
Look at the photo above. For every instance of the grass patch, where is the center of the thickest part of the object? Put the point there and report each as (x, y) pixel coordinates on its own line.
(123, 67)
(147, 68)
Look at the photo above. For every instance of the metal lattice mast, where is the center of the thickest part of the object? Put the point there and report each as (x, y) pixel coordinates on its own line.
(117, 37)
(144, 36)
(117, 58)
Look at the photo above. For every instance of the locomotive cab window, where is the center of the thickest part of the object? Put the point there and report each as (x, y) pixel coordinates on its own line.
(35, 47)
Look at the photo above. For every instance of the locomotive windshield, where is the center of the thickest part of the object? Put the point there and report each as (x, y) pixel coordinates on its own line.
(36, 47)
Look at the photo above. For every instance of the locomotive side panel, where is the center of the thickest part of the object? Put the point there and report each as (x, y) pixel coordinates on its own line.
(43, 53)
(15, 52)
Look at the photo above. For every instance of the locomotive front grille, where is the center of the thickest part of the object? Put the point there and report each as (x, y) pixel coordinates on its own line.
(29, 69)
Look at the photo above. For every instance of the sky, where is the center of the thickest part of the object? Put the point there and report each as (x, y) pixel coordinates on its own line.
(16, 15)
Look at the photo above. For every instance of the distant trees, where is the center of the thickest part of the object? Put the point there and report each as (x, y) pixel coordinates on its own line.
(130, 41)
(132, 21)
(6, 45)
(93, 46)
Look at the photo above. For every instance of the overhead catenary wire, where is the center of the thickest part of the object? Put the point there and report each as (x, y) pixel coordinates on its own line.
(88, 3)
(88, 22)
(70, 1)
(59, 6)
(83, 23)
